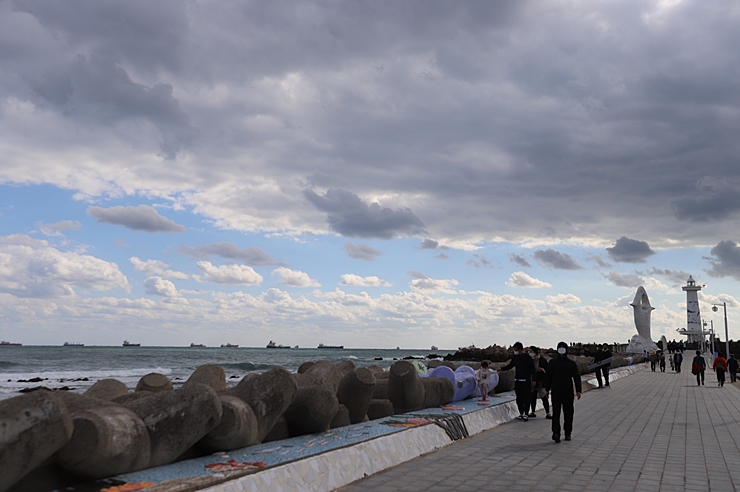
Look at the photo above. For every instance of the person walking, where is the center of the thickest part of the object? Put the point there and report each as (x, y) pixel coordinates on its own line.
(483, 375)
(720, 367)
(698, 365)
(540, 377)
(661, 361)
(653, 361)
(602, 353)
(677, 359)
(562, 375)
(732, 366)
(524, 372)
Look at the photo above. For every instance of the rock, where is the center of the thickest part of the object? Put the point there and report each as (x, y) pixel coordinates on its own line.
(238, 427)
(210, 375)
(305, 366)
(341, 419)
(137, 395)
(321, 373)
(154, 382)
(355, 391)
(450, 364)
(345, 366)
(278, 432)
(106, 441)
(312, 410)
(378, 409)
(437, 391)
(405, 388)
(33, 427)
(433, 364)
(177, 419)
(381, 389)
(107, 389)
(269, 394)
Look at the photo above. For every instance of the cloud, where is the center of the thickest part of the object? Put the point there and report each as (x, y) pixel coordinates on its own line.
(563, 299)
(631, 281)
(521, 279)
(57, 228)
(480, 261)
(157, 286)
(230, 274)
(294, 278)
(158, 267)
(628, 250)
(139, 218)
(349, 216)
(252, 256)
(423, 283)
(597, 259)
(677, 277)
(357, 281)
(519, 260)
(724, 260)
(430, 244)
(441, 256)
(34, 269)
(361, 251)
(716, 200)
(555, 259)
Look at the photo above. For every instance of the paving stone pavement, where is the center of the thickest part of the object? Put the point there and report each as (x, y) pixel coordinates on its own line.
(650, 431)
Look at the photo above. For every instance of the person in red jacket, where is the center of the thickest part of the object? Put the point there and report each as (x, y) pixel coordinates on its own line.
(720, 367)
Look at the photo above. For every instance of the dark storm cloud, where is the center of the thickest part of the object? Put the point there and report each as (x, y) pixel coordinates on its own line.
(628, 250)
(428, 244)
(632, 281)
(252, 256)
(519, 260)
(673, 276)
(725, 260)
(361, 251)
(555, 259)
(717, 200)
(139, 218)
(348, 215)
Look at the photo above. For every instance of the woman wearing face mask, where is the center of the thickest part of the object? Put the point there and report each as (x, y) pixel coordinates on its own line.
(562, 374)
(540, 378)
(523, 378)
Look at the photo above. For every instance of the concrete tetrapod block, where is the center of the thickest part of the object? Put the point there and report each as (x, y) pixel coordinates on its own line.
(154, 382)
(341, 419)
(305, 366)
(269, 394)
(434, 363)
(238, 427)
(312, 410)
(437, 391)
(355, 391)
(137, 395)
(381, 389)
(106, 441)
(33, 427)
(210, 375)
(405, 388)
(346, 366)
(278, 432)
(107, 389)
(76, 402)
(177, 419)
(321, 373)
(375, 369)
(505, 381)
(379, 409)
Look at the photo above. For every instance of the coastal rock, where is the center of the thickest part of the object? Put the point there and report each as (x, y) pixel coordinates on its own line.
(107, 389)
(405, 388)
(210, 375)
(154, 382)
(437, 391)
(341, 419)
(177, 419)
(106, 441)
(238, 427)
(321, 373)
(269, 394)
(33, 427)
(312, 410)
(355, 391)
(378, 409)
(278, 432)
(432, 364)
(493, 353)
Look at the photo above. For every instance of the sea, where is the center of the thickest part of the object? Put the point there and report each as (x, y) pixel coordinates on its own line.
(77, 368)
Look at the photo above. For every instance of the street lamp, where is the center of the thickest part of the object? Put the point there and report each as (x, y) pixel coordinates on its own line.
(727, 336)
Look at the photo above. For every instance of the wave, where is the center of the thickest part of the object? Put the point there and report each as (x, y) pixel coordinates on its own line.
(351, 357)
(248, 366)
(110, 373)
(5, 363)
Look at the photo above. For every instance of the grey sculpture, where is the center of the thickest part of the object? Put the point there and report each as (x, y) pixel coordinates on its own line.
(642, 308)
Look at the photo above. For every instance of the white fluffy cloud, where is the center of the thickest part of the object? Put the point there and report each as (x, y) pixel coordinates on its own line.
(563, 299)
(33, 268)
(521, 279)
(161, 268)
(160, 287)
(230, 274)
(356, 280)
(294, 278)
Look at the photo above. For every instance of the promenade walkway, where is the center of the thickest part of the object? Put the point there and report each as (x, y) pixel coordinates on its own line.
(651, 431)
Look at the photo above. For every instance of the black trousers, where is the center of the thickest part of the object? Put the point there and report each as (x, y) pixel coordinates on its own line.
(604, 370)
(564, 402)
(533, 401)
(678, 366)
(700, 374)
(523, 390)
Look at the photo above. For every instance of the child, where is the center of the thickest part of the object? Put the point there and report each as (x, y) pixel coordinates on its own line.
(483, 375)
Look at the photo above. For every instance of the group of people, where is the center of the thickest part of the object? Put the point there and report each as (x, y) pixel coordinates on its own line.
(721, 367)
(536, 378)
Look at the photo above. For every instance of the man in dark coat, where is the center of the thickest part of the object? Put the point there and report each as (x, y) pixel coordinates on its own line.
(733, 366)
(677, 359)
(540, 377)
(602, 353)
(523, 378)
(562, 375)
(698, 366)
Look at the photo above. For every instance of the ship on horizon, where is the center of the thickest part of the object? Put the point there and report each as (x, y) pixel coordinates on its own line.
(73, 344)
(229, 345)
(197, 345)
(9, 344)
(126, 343)
(322, 346)
(276, 346)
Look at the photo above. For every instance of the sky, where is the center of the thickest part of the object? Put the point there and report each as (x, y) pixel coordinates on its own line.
(366, 173)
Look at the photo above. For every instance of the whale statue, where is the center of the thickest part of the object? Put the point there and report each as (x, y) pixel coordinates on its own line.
(642, 311)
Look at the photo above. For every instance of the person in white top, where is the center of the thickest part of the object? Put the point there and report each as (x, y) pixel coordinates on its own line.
(484, 380)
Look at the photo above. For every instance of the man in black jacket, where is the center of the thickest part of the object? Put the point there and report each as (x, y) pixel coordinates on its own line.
(602, 353)
(523, 378)
(562, 374)
(698, 366)
(732, 365)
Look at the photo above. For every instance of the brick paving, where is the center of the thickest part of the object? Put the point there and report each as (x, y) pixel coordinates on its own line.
(650, 431)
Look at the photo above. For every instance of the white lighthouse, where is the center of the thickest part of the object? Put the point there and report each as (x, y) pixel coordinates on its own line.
(694, 331)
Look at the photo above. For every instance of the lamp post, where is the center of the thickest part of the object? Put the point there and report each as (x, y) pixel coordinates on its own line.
(727, 336)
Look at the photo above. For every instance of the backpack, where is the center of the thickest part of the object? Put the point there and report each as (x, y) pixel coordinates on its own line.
(695, 368)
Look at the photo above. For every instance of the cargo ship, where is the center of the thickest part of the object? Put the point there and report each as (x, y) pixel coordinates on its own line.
(197, 345)
(73, 344)
(229, 345)
(322, 346)
(274, 345)
(126, 343)
(9, 344)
